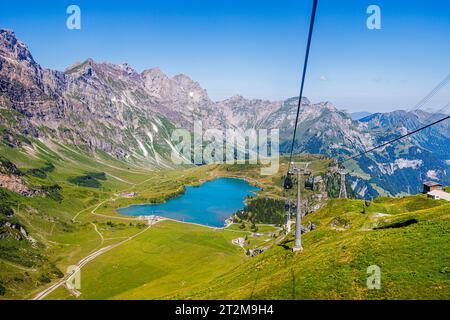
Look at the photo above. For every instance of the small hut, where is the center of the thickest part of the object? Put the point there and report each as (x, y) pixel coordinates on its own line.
(432, 186)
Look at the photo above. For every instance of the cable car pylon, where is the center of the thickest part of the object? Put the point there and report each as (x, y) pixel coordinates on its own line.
(298, 218)
(287, 208)
(343, 190)
(309, 184)
(288, 180)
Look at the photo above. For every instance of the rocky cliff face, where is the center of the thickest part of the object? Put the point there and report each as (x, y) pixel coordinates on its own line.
(102, 106)
(131, 115)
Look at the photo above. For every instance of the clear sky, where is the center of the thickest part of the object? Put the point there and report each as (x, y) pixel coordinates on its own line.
(255, 48)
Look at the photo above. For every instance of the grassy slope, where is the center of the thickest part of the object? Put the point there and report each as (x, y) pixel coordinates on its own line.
(183, 261)
(191, 254)
(62, 242)
(333, 265)
(414, 260)
(167, 259)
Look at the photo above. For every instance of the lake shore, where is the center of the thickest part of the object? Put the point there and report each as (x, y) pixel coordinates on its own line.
(212, 203)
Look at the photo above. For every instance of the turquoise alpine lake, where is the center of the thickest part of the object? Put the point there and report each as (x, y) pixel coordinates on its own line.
(209, 204)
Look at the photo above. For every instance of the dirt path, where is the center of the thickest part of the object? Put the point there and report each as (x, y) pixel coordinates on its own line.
(18, 266)
(41, 295)
(99, 233)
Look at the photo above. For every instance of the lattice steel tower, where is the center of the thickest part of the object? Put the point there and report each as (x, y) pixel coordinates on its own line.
(343, 190)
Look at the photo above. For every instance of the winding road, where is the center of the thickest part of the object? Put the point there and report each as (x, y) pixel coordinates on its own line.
(41, 295)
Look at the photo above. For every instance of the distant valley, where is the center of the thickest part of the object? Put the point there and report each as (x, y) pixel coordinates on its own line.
(81, 148)
(130, 116)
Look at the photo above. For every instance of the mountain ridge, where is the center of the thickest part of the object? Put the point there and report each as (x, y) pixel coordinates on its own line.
(131, 116)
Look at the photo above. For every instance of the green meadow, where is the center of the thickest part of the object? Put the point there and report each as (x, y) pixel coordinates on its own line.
(407, 238)
(170, 258)
(413, 257)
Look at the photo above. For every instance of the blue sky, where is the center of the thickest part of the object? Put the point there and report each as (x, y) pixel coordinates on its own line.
(255, 48)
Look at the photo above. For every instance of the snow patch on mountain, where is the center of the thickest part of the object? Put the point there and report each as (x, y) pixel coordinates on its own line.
(149, 134)
(405, 163)
(141, 146)
(399, 164)
(362, 191)
(432, 174)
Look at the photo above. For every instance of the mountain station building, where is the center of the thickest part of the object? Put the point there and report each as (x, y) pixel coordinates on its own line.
(432, 186)
(436, 191)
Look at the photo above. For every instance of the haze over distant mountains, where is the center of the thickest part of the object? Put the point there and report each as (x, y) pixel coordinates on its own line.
(130, 115)
(360, 115)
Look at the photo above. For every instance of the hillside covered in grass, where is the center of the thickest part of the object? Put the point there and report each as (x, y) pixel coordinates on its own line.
(60, 207)
(47, 218)
(407, 238)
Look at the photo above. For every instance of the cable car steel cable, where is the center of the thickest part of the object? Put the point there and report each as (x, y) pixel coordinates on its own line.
(305, 66)
(395, 140)
(417, 107)
(431, 94)
(287, 184)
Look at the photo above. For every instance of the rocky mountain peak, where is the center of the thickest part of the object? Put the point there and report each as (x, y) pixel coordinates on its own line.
(14, 49)
(127, 68)
(153, 72)
(18, 68)
(90, 61)
(235, 98)
(79, 68)
(330, 106)
(294, 101)
(157, 83)
(113, 108)
(191, 87)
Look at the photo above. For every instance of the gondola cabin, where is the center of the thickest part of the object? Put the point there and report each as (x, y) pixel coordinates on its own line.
(309, 183)
(287, 183)
(287, 207)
